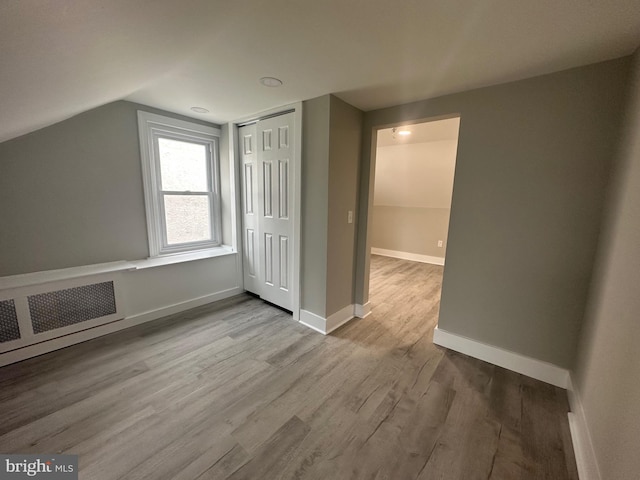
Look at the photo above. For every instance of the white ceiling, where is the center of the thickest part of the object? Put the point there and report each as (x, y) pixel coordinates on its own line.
(426, 132)
(59, 58)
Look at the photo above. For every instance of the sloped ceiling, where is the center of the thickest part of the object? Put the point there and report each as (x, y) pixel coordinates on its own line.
(61, 57)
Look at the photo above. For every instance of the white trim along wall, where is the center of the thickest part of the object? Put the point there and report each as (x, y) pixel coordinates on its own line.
(327, 325)
(581, 437)
(414, 257)
(528, 366)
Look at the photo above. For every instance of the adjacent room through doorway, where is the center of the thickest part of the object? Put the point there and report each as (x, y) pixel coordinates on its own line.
(414, 172)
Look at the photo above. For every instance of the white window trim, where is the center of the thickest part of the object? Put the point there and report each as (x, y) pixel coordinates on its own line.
(150, 126)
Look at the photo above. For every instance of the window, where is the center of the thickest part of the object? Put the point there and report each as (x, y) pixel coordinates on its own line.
(181, 184)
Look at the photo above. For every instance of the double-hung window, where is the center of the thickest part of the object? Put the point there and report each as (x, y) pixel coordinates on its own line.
(181, 184)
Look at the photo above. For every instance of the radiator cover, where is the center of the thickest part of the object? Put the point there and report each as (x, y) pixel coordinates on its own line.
(61, 308)
(9, 328)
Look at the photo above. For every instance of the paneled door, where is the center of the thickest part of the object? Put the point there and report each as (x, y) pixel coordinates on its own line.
(266, 150)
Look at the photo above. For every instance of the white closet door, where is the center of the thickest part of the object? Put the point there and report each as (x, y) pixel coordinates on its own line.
(268, 198)
(248, 161)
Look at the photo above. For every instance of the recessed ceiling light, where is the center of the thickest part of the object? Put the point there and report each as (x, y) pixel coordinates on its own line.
(270, 81)
(199, 110)
(404, 132)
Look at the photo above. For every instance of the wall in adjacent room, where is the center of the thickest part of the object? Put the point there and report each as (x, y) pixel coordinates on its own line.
(413, 230)
(412, 199)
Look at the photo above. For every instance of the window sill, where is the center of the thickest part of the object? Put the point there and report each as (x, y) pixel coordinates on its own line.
(50, 276)
(171, 259)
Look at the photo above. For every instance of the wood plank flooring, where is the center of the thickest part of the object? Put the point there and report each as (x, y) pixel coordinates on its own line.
(238, 390)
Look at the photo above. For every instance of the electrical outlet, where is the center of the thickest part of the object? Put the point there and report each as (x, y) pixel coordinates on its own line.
(440, 243)
(350, 216)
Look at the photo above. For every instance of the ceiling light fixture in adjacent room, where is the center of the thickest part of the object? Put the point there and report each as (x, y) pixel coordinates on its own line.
(395, 131)
(270, 81)
(199, 110)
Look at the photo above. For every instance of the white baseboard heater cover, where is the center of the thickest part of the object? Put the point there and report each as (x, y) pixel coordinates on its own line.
(39, 313)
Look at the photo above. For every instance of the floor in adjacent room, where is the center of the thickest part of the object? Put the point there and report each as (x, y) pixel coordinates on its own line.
(238, 390)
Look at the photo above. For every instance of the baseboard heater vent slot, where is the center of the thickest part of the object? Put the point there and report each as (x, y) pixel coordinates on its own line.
(62, 308)
(9, 329)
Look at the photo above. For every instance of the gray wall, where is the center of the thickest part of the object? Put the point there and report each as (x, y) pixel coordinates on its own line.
(344, 159)
(71, 194)
(608, 366)
(410, 229)
(315, 204)
(330, 161)
(533, 161)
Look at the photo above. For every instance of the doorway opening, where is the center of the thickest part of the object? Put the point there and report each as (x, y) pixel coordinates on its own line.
(412, 192)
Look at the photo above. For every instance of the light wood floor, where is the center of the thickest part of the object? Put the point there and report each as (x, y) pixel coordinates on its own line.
(237, 390)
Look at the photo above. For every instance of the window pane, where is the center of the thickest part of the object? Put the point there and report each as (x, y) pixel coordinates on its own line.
(188, 218)
(183, 165)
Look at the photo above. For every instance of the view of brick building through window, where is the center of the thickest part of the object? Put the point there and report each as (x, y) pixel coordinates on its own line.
(184, 184)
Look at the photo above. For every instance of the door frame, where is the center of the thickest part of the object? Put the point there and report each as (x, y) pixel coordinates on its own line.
(296, 164)
(365, 197)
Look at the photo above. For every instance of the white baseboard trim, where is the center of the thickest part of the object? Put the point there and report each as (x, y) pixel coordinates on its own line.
(580, 437)
(311, 320)
(186, 305)
(339, 318)
(415, 257)
(528, 366)
(20, 354)
(362, 311)
(329, 324)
